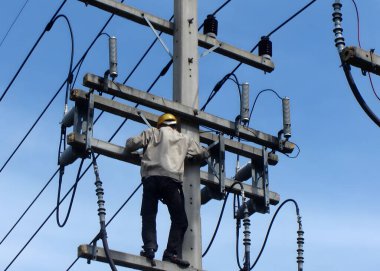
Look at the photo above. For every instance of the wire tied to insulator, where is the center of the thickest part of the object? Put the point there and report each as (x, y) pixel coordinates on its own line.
(300, 242)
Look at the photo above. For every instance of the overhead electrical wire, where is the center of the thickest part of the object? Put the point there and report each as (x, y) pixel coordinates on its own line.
(47, 28)
(77, 65)
(30, 205)
(270, 227)
(162, 73)
(114, 134)
(14, 21)
(224, 79)
(51, 178)
(67, 83)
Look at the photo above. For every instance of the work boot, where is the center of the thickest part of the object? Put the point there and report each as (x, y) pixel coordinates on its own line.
(173, 258)
(148, 253)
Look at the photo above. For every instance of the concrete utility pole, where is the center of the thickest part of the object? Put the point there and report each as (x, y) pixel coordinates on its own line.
(186, 40)
(185, 91)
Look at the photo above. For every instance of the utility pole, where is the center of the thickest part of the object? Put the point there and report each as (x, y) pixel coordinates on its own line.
(184, 105)
(185, 91)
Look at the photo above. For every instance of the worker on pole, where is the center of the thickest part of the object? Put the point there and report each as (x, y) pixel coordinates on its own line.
(162, 169)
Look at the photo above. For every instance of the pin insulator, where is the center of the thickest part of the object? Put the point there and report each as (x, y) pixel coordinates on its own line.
(210, 27)
(265, 47)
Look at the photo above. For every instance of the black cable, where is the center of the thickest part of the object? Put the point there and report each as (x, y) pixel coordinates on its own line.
(224, 79)
(102, 212)
(270, 227)
(290, 18)
(67, 82)
(117, 130)
(14, 21)
(30, 205)
(39, 228)
(47, 28)
(295, 156)
(80, 64)
(114, 215)
(61, 225)
(258, 95)
(358, 96)
(32, 127)
(217, 226)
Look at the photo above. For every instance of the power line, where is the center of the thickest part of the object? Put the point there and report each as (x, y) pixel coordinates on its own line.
(224, 79)
(14, 21)
(47, 28)
(127, 78)
(68, 80)
(117, 130)
(30, 205)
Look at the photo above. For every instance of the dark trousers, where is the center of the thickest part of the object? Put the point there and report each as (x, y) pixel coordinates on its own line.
(170, 192)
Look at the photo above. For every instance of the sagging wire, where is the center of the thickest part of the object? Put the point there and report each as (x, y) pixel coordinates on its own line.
(67, 82)
(217, 225)
(257, 97)
(31, 51)
(220, 83)
(300, 238)
(61, 171)
(371, 51)
(340, 44)
(57, 171)
(162, 73)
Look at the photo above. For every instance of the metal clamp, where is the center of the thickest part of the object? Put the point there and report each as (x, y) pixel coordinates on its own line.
(157, 35)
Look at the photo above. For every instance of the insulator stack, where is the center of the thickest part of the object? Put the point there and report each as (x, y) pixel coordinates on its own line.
(300, 242)
(265, 47)
(210, 27)
(99, 193)
(286, 117)
(338, 30)
(244, 103)
(113, 57)
(247, 236)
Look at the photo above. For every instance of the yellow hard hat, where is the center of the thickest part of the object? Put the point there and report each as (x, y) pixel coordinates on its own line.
(167, 119)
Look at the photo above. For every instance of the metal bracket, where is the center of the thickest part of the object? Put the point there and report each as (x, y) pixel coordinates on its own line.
(216, 163)
(144, 119)
(260, 180)
(157, 35)
(90, 121)
(212, 49)
(265, 179)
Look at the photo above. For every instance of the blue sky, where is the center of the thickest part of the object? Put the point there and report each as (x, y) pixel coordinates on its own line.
(335, 178)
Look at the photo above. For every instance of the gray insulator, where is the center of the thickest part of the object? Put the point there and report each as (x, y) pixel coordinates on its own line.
(113, 57)
(286, 117)
(244, 104)
(68, 156)
(338, 30)
(244, 173)
(68, 118)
